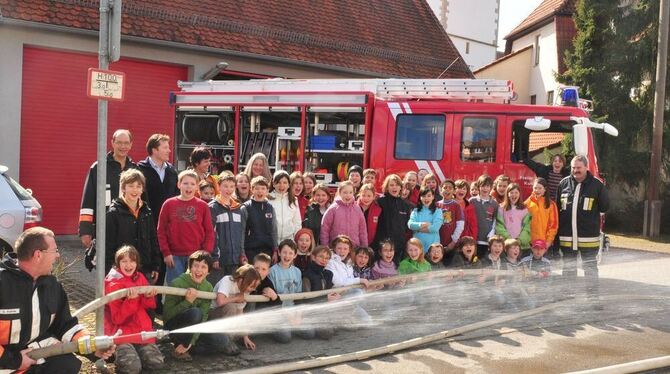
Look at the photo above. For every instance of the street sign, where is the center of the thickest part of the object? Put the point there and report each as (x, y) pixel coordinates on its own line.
(106, 84)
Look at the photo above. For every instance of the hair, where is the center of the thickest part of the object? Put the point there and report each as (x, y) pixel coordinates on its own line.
(501, 178)
(423, 192)
(155, 140)
(367, 172)
(559, 155)
(496, 239)
(417, 243)
(368, 251)
(288, 243)
(428, 177)
(410, 173)
(201, 256)
(30, 241)
(580, 158)
(406, 186)
(355, 169)
(484, 180)
(436, 245)
(388, 242)
(263, 257)
(367, 187)
(237, 191)
(260, 181)
(543, 182)
(225, 173)
(205, 184)
(345, 240)
(321, 187)
(309, 175)
(131, 176)
(461, 183)
(466, 240)
(474, 184)
(199, 154)
(187, 173)
(250, 163)
(227, 177)
(448, 181)
(511, 242)
(391, 178)
(127, 250)
(294, 177)
(343, 184)
(246, 275)
(321, 248)
(120, 132)
(278, 176)
(507, 204)
(309, 233)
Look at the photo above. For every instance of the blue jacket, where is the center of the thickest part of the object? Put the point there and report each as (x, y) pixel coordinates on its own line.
(229, 223)
(435, 220)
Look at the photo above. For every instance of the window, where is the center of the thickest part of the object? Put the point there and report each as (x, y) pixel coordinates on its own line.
(537, 50)
(419, 137)
(539, 145)
(467, 48)
(478, 139)
(533, 99)
(550, 98)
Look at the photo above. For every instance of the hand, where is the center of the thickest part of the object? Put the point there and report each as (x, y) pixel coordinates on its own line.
(365, 282)
(249, 343)
(191, 295)
(243, 260)
(154, 277)
(169, 261)
(86, 240)
(132, 293)
(270, 293)
(275, 258)
(180, 349)
(151, 293)
(333, 296)
(451, 246)
(216, 265)
(239, 298)
(26, 361)
(105, 354)
(424, 225)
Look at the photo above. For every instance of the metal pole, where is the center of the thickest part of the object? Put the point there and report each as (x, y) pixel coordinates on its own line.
(101, 183)
(653, 204)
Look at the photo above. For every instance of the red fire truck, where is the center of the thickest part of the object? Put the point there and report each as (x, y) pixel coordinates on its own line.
(452, 128)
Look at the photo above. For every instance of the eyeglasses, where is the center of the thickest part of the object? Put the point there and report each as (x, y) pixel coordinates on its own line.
(55, 250)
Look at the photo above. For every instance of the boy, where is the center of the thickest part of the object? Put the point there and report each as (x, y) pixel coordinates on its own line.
(500, 187)
(486, 210)
(493, 260)
(453, 220)
(229, 221)
(184, 226)
(261, 228)
(207, 192)
(370, 176)
(262, 263)
(181, 311)
(436, 256)
(539, 268)
(467, 255)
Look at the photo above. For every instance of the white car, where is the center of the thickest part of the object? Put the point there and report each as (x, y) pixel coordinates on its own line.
(19, 210)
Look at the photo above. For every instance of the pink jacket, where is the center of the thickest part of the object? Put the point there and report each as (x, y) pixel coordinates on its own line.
(344, 219)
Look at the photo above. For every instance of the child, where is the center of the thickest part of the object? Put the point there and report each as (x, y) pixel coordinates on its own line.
(130, 313)
(362, 262)
(314, 214)
(420, 175)
(355, 176)
(474, 189)
(305, 241)
(500, 187)
(453, 219)
(406, 192)
(207, 191)
(544, 214)
(493, 259)
(261, 227)
(184, 226)
(539, 268)
(344, 217)
(285, 206)
(371, 210)
(130, 222)
(370, 177)
(317, 278)
(436, 256)
(229, 220)
(242, 188)
(411, 178)
(486, 210)
(340, 263)
(262, 264)
(309, 181)
(182, 311)
(229, 302)
(467, 254)
(430, 181)
(512, 252)
(493, 284)
(426, 220)
(414, 262)
(513, 219)
(298, 189)
(394, 216)
(384, 267)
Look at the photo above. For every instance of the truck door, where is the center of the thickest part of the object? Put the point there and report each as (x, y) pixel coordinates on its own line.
(479, 143)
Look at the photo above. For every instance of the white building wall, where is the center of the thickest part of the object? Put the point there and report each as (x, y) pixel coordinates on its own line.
(541, 75)
(475, 54)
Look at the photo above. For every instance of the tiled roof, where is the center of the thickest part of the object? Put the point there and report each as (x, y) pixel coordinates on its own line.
(391, 38)
(545, 11)
(542, 140)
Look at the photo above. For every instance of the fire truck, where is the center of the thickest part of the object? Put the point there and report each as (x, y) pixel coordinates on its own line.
(453, 128)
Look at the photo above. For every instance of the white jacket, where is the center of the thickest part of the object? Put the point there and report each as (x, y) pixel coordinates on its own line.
(288, 217)
(343, 274)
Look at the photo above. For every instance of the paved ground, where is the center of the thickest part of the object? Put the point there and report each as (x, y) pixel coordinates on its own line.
(569, 338)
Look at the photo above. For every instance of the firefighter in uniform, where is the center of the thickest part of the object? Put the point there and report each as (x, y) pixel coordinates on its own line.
(581, 199)
(34, 309)
(117, 162)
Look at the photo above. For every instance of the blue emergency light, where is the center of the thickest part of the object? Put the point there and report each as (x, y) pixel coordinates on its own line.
(569, 96)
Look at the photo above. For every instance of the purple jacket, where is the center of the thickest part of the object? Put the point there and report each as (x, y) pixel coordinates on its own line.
(344, 219)
(383, 269)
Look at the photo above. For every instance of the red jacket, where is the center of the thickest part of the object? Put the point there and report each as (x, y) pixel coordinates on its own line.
(414, 196)
(470, 221)
(129, 315)
(303, 203)
(374, 211)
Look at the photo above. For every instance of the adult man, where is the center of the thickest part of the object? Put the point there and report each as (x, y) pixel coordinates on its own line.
(117, 162)
(34, 311)
(161, 177)
(581, 199)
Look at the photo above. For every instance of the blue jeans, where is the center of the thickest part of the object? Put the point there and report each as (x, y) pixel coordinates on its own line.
(180, 267)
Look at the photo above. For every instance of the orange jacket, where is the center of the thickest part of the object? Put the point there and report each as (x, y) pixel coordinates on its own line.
(544, 221)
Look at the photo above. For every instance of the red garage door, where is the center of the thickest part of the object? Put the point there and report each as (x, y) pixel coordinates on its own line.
(59, 123)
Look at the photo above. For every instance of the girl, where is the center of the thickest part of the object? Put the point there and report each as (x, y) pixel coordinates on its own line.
(297, 188)
(544, 213)
(362, 262)
(305, 240)
(355, 176)
(242, 188)
(467, 254)
(130, 313)
(258, 166)
(340, 263)
(309, 181)
(426, 220)
(317, 278)
(414, 262)
(384, 267)
(314, 213)
(420, 175)
(430, 181)
(371, 210)
(512, 252)
(411, 178)
(394, 216)
(344, 218)
(474, 189)
(286, 208)
(513, 219)
(436, 256)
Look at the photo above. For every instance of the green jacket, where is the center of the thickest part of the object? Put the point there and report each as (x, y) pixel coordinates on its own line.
(177, 304)
(409, 266)
(524, 235)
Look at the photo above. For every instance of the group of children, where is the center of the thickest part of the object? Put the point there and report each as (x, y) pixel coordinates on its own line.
(284, 234)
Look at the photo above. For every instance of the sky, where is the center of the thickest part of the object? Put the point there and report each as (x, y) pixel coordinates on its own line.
(512, 12)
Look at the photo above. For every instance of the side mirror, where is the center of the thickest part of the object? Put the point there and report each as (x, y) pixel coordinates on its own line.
(537, 123)
(610, 130)
(580, 139)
